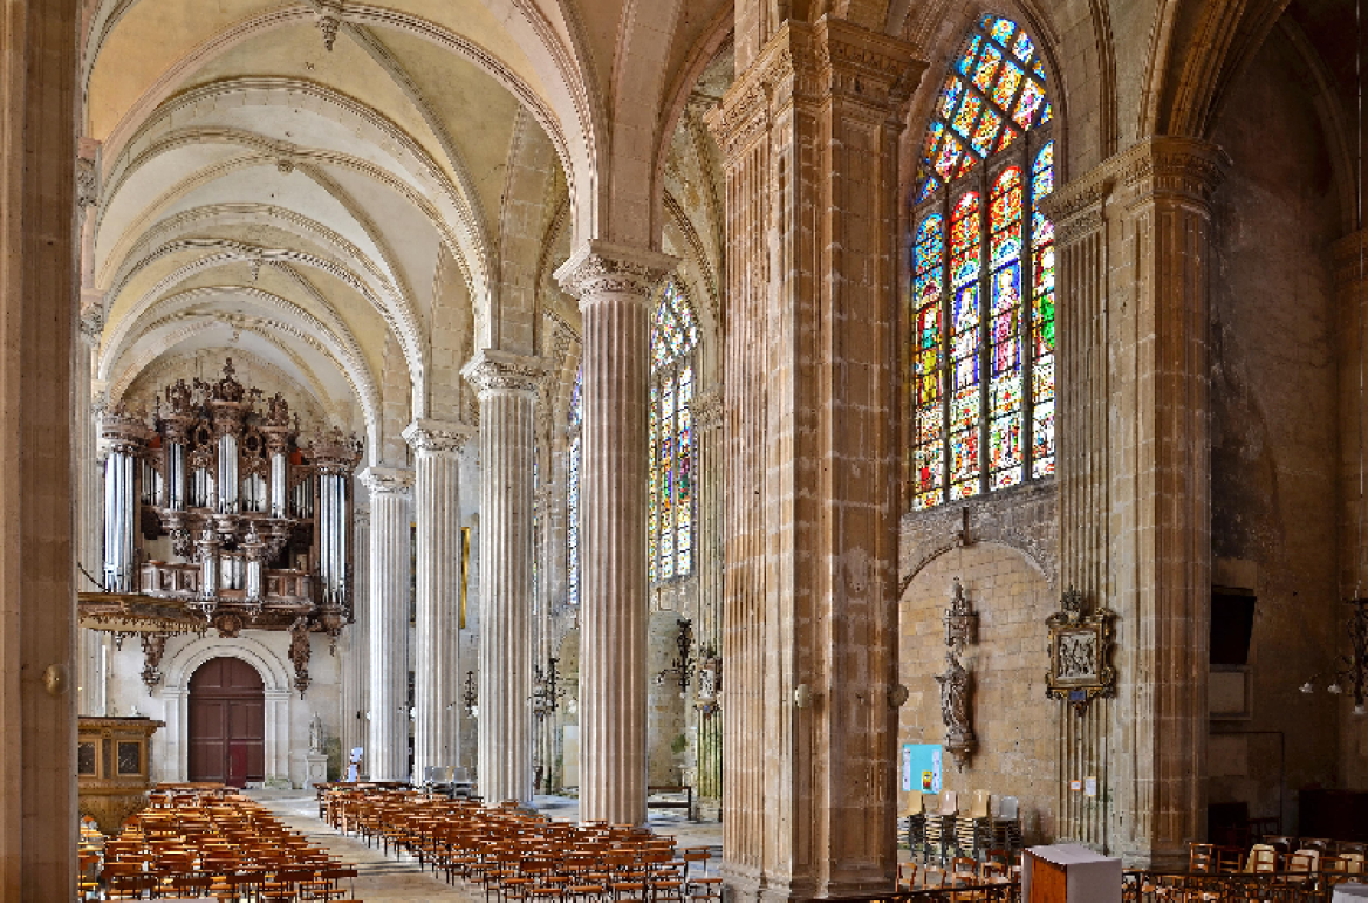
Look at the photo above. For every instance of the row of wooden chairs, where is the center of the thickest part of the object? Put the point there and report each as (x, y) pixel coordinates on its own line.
(202, 847)
(514, 855)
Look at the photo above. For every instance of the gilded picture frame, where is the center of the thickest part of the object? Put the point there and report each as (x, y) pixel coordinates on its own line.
(1080, 648)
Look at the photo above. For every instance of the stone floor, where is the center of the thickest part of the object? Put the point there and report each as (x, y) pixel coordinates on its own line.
(401, 878)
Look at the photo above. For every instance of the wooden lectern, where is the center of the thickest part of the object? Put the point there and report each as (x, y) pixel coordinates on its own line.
(1069, 873)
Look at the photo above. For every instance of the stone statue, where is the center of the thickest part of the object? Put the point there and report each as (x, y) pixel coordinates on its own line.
(316, 734)
(954, 686)
(959, 730)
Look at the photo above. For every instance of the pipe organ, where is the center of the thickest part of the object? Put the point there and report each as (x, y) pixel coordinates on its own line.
(217, 515)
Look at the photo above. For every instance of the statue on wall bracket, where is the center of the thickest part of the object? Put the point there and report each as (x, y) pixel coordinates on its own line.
(1080, 646)
(957, 682)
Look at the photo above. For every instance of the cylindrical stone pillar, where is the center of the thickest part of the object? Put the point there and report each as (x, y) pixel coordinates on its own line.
(507, 386)
(437, 659)
(353, 651)
(386, 754)
(614, 286)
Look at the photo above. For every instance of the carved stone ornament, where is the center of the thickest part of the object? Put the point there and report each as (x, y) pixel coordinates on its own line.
(438, 436)
(493, 370)
(961, 621)
(87, 182)
(154, 647)
(380, 480)
(956, 685)
(299, 654)
(601, 267)
(1080, 652)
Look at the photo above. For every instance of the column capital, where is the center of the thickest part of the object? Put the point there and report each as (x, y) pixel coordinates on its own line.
(1181, 169)
(382, 480)
(600, 267)
(438, 436)
(833, 59)
(1077, 209)
(1346, 254)
(492, 369)
(707, 408)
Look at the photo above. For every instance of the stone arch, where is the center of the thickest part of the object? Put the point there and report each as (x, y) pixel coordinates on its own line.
(275, 674)
(1025, 519)
(183, 663)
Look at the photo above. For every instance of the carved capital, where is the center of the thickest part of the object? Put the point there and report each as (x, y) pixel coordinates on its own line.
(706, 409)
(380, 480)
(1078, 208)
(1176, 169)
(1348, 255)
(437, 436)
(834, 59)
(87, 183)
(493, 370)
(600, 268)
(92, 322)
(871, 68)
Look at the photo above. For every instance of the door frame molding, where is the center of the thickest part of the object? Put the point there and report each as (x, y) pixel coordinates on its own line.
(275, 676)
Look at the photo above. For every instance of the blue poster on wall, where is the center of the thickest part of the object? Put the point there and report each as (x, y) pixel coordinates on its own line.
(921, 767)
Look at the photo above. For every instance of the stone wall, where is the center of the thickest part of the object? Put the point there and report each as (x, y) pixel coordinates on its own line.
(1016, 726)
(1274, 432)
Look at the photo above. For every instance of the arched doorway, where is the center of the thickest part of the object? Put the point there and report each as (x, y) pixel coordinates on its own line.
(227, 721)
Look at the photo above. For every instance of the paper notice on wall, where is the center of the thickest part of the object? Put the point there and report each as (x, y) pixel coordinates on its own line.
(1090, 786)
(1075, 785)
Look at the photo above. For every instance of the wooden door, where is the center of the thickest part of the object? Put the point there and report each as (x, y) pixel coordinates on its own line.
(227, 723)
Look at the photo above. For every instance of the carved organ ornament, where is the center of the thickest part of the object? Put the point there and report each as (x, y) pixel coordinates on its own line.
(254, 522)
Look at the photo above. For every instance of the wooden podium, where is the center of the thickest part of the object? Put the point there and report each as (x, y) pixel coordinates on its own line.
(1069, 873)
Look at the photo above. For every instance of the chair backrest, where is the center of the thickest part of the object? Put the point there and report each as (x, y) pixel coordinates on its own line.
(916, 803)
(949, 803)
(978, 808)
(1300, 861)
(1262, 858)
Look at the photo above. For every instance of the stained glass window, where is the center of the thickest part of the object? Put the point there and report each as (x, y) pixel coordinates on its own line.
(671, 492)
(572, 494)
(982, 308)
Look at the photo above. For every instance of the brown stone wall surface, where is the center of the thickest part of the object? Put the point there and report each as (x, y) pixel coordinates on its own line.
(1015, 724)
(1274, 428)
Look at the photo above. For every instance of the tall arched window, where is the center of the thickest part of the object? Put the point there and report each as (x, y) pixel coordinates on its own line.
(572, 493)
(982, 358)
(670, 518)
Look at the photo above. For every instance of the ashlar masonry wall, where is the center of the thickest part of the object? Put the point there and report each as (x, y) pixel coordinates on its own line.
(1015, 725)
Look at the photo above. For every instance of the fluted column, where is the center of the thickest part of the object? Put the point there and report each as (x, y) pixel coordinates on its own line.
(390, 497)
(1078, 211)
(707, 417)
(437, 658)
(614, 286)
(89, 469)
(353, 650)
(507, 387)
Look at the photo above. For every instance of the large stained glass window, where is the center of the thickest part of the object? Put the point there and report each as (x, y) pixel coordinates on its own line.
(982, 265)
(572, 493)
(671, 491)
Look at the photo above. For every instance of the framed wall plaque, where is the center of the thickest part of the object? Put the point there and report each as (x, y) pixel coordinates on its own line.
(1080, 652)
